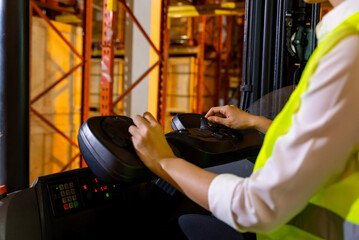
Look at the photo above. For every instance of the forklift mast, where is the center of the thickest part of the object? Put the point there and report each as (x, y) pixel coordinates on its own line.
(279, 37)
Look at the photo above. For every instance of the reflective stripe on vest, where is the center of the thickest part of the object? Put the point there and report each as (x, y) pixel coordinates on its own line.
(333, 213)
(324, 224)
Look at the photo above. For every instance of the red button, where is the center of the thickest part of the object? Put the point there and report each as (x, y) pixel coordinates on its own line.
(3, 189)
(66, 206)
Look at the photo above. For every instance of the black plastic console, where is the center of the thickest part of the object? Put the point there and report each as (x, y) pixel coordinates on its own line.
(69, 205)
(106, 146)
(208, 144)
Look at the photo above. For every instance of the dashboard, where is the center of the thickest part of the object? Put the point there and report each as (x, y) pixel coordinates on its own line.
(71, 205)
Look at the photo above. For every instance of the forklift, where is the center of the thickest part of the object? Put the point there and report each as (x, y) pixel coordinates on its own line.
(87, 203)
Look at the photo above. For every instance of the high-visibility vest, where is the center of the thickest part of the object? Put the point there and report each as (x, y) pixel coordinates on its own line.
(333, 212)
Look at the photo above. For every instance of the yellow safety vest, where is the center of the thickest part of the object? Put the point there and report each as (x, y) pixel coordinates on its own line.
(333, 212)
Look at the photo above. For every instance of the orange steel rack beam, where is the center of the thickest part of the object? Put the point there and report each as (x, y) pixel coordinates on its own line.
(134, 19)
(107, 107)
(164, 48)
(107, 58)
(85, 63)
(200, 64)
(107, 104)
(123, 95)
(219, 50)
(227, 60)
(209, 11)
(86, 70)
(54, 7)
(86, 73)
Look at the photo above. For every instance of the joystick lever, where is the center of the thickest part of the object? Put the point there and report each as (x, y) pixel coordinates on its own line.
(205, 125)
(218, 131)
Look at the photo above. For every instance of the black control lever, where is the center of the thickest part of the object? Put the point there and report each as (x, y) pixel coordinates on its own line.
(205, 125)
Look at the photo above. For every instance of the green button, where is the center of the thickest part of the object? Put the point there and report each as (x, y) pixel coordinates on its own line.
(76, 204)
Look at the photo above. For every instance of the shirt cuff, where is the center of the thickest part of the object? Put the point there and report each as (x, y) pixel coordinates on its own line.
(220, 196)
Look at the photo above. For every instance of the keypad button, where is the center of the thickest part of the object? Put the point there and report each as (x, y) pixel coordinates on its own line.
(69, 198)
(66, 206)
(76, 204)
(72, 191)
(64, 200)
(66, 185)
(61, 187)
(71, 184)
(74, 198)
(68, 192)
(62, 193)
(71, 205)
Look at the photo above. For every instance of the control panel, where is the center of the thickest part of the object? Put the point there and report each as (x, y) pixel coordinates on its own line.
(74, 194)
(69, 205)
(64, 197)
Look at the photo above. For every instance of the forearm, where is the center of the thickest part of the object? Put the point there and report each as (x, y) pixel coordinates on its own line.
(260, 123)
(189, 179)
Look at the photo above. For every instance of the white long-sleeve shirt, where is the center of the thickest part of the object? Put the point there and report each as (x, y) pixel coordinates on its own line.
(316, 147)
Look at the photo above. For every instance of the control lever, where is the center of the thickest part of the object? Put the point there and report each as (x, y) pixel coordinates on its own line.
(205, 125)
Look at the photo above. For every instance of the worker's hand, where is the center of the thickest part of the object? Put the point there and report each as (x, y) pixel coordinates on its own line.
(231, 116)
(149, 141)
